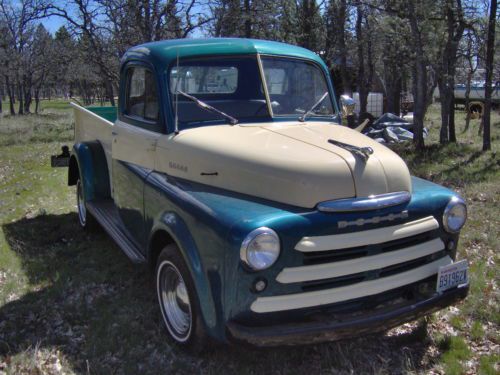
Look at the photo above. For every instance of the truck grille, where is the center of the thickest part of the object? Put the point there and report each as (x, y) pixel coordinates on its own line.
(319, 257)
(343, 267)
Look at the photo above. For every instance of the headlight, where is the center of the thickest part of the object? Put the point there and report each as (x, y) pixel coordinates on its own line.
(454, 215)
(260, 249)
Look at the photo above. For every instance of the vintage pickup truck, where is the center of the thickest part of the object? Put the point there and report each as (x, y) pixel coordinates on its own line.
(265, 221)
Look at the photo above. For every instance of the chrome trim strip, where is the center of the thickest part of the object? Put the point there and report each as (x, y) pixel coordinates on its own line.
(345, 293)
(367, 237)
(352, 266)
(373, 202)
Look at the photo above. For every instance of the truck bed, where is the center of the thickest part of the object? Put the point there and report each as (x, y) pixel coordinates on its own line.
(95, 124)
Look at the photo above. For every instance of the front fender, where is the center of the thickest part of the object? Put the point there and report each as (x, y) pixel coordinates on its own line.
(177, 229)
(90, 160)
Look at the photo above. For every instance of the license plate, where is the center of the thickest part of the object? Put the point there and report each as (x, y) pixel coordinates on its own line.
(452, 275)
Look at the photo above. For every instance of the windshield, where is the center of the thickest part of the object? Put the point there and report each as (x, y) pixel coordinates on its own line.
(233, 85)
(295, 86)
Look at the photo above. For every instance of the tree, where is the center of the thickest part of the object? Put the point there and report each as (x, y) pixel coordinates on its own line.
(366, 65)
(469, 53)
(490, 52)
(336, 18)
(18, 27)
(455, 24)
(415, 17)
(107, 28)
(42, 54)
(310, 26)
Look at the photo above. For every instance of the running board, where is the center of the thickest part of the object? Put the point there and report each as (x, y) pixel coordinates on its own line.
(106, 213)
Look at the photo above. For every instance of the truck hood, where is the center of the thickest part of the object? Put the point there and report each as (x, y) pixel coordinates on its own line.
(289, 162)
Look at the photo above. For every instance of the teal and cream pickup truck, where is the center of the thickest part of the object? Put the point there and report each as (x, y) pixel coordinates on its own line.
(226, 169)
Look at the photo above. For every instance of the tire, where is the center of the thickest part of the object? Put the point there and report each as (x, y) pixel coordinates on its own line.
(178, 301)
(85, 219)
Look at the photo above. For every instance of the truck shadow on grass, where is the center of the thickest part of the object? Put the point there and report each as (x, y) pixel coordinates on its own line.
(88, 303)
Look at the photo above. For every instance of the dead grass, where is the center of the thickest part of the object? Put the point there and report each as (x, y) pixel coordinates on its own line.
(71, 302)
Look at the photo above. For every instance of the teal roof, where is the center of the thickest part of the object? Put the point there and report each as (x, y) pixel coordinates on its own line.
(163, 53)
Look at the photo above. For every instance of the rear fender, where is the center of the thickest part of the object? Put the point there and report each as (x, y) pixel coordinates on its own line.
(88, 163)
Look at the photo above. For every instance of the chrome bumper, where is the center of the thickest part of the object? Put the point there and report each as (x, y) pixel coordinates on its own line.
(328, 328)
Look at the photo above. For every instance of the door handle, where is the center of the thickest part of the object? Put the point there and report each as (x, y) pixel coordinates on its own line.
(114, 133)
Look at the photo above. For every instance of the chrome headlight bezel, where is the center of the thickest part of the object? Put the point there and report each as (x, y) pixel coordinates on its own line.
(250, 257)
(455, 203)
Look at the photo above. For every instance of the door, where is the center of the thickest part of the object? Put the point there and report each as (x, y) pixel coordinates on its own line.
(134, 138)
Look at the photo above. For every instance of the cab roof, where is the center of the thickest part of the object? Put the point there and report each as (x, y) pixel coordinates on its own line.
(161, 54)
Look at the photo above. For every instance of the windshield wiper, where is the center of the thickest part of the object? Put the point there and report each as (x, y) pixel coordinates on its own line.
(209, 108)
(308, 113)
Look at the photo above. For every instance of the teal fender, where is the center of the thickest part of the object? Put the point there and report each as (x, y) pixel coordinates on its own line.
(200, 236)
(88, 163)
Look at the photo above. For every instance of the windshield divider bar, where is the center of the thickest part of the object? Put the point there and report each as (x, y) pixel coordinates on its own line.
(264, 83)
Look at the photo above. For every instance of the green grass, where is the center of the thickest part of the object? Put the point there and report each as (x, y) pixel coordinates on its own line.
(454, 350)
(72, 302)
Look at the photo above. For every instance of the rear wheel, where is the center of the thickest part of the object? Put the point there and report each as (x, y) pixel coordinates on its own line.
(86, 220)
(178, 300)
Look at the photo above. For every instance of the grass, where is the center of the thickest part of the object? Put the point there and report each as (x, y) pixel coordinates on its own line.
(71, 302)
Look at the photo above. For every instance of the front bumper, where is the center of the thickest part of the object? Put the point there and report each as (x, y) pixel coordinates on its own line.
(327, 329)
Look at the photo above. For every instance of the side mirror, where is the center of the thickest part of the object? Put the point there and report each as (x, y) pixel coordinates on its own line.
(348, 105)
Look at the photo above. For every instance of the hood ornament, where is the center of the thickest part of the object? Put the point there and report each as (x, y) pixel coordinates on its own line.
(363, 152)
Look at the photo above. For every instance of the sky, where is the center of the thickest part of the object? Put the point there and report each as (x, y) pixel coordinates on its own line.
(53, 23)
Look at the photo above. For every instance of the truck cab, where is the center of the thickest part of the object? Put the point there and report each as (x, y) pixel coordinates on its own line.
(226, 169)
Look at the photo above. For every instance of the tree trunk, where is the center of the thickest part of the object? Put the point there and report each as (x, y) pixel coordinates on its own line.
(27, 99)
(362, 90)
(248, 21)
(455, 28)
(419, 80)
(20, 108)
(10, 94)
(37, 100)
(393, 86)
(37, 104)
(445, 110)
(490, 51)
(109, 92)
(451, 119)
(346, 84)
(467, 99)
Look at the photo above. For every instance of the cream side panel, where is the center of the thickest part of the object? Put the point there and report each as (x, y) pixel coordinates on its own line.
(134, 145)
(348, 267)
(362, 238)
(363, 289)
(91, 127)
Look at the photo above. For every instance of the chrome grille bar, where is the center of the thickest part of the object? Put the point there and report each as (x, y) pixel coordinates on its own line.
(353, 266)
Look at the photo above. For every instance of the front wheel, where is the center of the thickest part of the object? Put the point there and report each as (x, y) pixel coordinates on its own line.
(178, 300)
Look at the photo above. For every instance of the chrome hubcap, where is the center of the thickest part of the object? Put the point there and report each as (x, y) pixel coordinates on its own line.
(82, 210)
(174, 301)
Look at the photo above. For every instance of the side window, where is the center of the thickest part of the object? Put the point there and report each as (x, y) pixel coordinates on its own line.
(141, 99)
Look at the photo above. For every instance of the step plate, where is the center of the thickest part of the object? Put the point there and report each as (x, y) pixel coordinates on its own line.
(106, 214)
